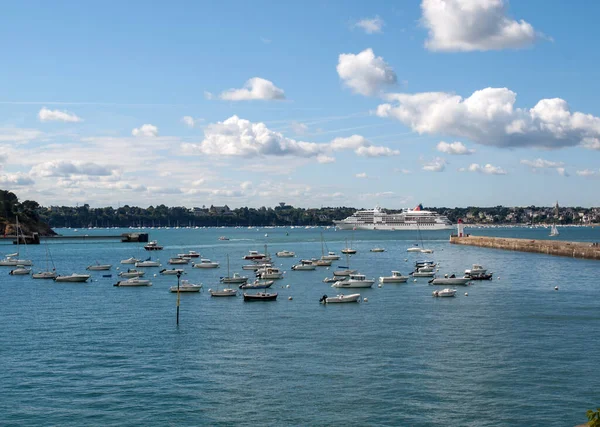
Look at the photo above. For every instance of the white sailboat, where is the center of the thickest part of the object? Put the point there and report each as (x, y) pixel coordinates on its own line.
(225, 292)
(12, 260)
(47, 274)
(554, 231)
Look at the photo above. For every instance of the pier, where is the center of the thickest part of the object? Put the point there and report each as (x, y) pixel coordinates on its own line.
(585, 250)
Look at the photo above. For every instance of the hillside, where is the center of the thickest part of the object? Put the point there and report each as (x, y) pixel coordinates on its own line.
(29, 220)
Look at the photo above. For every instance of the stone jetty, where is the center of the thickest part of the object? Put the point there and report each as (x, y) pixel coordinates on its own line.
(586, 250)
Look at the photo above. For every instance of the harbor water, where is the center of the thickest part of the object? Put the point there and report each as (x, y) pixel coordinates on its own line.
(514, 352)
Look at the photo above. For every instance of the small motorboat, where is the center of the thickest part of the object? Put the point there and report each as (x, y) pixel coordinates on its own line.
(227, 292)
(189, 254)
(134, 281)
(131, 260)
(348, 251)
(98, 267)
(269, 273)
(20, 270)
(260, 296)
(44, 275)
(186, 286)
(331, 256)
(178, 260)
(332, 279)
(396, 277)
(255, 256)
(257, 284)
(414, 249)
(451, 280)
(341, 298)
(423, 272)
(223, 238)
(285, 254)
(305, 265)
(444, 293)
(148, 263)
(354, 281)
(132, 273)
(172, 271)
(344, 273)
(206, 263)
(426, 251)
(235, 279)
(73, 278)
(153, 246)
(378, 250)
(476, 269)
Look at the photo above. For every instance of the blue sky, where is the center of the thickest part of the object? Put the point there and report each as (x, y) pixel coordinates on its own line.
(444, 102)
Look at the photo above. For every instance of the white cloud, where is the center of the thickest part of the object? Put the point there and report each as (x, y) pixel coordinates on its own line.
(489, 117)
(322, 158)
(436, 165)
(587, 172)
(65, 168)
(375, 151)
(365, 73)
(402, 171)
(17, 179)
(591, 143)
(361, 175)
(469, 25)
(246, 185)
(239, 137)
(254, 88)
(190, 122)
(208, 95)
(146, 130)
(46, 115)
(562, 172)
(488, 169)
(456, 148)
(370, 25)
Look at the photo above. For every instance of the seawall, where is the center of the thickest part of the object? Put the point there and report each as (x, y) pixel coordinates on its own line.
(584, 250)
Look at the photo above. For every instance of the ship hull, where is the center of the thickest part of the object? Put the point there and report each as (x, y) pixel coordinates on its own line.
(387, 227)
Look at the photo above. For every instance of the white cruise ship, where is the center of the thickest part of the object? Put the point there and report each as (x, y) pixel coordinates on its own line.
(409, 219)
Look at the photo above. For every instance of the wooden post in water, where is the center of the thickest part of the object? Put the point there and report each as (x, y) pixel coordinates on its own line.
(178, 276)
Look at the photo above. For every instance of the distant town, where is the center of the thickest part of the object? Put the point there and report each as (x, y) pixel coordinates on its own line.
(280, 215)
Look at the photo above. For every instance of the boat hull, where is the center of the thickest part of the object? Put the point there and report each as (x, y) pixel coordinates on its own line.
(72, 279)
(450, 281)
(44, 275)
(387, 227)
(261, 296)
(358, 284)
(133, 283)
(224, 293)
(393, 279)
(340, 299)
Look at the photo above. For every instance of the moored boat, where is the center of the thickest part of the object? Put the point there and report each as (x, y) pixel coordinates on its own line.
(396, 277)
(260, 296)
(189, 254)
(444, 293)
(44, 275)
(148, 263)
(132, 282)
(378, 250)
(73, 278)
(285, 254)
(341, 298)
(98, 267)
(131, 260)
(172, 271)
(178, 260)
(450, 280)
(257, 284)
(354, 281)
(186, 286)
(206, 263)
(153, 246)
(132, 273)
(20, 271)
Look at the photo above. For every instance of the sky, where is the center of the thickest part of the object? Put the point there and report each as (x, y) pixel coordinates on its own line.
(317, 103)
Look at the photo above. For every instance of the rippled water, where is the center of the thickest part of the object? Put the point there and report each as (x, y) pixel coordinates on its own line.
(512, 352)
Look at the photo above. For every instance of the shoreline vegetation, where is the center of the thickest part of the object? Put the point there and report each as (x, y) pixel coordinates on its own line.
(36, 218)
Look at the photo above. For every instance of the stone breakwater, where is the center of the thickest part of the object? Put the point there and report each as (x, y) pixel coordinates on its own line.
(586, 250)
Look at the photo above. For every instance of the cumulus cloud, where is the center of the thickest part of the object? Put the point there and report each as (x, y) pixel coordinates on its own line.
(65, 168)
(455, 148)
(562, 172)
(361, 175)
(469, 25)
(16, 179)
(365, 73)
(239, 137)
(46, 115)
(489, 117)
(254, 88)
(488, 169)
(370, 25)
(146, 130)
(436, 165)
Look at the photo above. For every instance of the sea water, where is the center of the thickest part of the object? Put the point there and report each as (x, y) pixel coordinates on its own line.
(513, 352)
